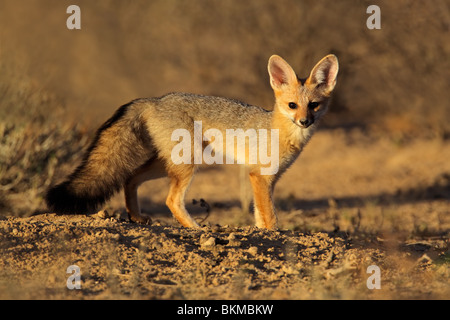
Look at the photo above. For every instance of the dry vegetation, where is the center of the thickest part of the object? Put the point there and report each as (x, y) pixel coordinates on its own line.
(32, 142)
(373, 187)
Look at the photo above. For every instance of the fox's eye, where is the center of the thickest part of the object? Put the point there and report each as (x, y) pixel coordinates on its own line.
(292, 105)
(313, 105)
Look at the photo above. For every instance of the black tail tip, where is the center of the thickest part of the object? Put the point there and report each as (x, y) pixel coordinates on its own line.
(61, 200)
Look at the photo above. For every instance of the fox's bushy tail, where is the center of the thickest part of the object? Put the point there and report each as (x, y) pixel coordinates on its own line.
(121, 145)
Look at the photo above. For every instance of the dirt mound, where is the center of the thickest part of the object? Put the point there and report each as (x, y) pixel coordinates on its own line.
(118, 259)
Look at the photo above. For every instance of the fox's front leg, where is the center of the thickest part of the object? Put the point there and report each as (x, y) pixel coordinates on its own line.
(262, 194)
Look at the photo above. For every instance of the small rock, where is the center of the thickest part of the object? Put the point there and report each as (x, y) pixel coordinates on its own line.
(203, 238)
(210, 243)
(424, 259)
(233, 241)
(253, 251)
(289, 270)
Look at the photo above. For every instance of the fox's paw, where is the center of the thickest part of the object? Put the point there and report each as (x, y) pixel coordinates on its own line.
(141, 219)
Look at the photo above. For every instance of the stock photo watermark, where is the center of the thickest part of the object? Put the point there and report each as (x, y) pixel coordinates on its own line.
(241, 147)
(74, 280)
(373, 281)
(374, 20)
(74, 20)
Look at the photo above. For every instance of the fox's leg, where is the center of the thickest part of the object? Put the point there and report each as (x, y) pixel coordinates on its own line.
(262, 193)
(152, 169)
(181, 178)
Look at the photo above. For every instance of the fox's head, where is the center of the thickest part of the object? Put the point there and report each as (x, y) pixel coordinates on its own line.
(303, 101)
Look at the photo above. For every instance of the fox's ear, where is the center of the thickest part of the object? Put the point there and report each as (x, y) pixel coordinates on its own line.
(280, 72)
(325, 73)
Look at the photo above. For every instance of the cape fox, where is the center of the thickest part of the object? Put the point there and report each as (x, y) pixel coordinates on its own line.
(136, 144)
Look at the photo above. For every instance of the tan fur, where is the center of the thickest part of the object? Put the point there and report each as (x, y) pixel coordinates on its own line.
(145, 126)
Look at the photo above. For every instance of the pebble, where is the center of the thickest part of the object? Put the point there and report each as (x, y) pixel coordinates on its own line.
(253, 251)
(209, 243)
(233, 241)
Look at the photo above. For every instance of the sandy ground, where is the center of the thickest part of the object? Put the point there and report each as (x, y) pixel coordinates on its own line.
(351, 201)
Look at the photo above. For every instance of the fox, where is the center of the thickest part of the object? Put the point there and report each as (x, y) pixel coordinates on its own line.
(136, 144)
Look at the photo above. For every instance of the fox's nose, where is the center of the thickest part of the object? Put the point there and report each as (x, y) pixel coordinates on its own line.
(305, 122)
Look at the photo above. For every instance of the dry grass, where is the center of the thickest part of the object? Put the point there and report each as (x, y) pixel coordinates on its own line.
(33, 143)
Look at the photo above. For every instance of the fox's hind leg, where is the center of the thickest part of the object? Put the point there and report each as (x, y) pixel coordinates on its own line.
(152, 169)
(180, 179)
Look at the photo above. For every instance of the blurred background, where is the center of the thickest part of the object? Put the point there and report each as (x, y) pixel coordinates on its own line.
(58, 85)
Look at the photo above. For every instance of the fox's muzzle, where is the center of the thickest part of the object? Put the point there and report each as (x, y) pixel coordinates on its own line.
(306, 122)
